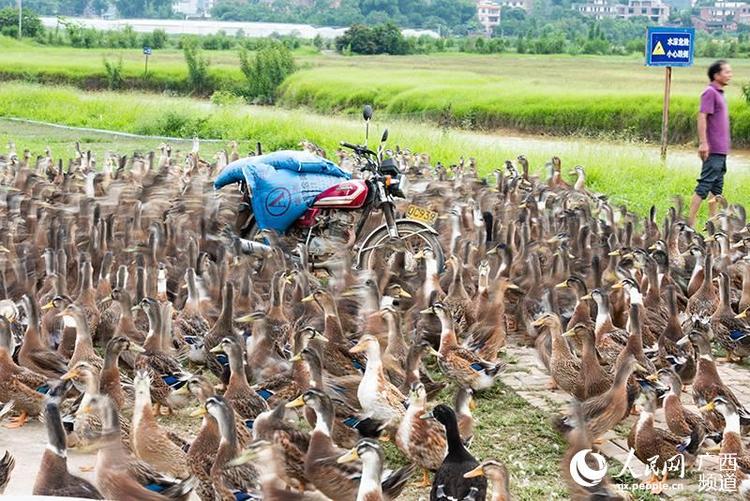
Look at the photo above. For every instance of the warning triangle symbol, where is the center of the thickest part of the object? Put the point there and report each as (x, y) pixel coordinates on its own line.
(658, 50)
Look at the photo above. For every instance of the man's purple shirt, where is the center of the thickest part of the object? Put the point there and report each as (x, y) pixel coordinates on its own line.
(714, 105)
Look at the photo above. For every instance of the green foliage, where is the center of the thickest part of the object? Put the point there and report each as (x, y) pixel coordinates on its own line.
(265, 70)
(746, 92)
(31, 25)
(226, 98)
(114, 73)
(380, 39)
(198, 79)
(157, 39)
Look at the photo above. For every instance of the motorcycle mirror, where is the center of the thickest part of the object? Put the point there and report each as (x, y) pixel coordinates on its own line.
(385, 136)
(367, 112)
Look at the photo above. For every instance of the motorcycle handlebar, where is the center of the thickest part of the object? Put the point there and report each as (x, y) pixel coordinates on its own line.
(350, 145)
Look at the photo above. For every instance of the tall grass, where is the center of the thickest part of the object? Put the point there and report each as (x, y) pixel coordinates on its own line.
(629, 173)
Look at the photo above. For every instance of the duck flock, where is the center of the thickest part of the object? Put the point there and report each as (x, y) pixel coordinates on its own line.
(127, 303)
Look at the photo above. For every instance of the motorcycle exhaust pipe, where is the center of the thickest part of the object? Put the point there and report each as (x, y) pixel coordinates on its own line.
(253, 247)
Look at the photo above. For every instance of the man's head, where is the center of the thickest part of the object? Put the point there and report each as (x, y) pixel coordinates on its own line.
(720, 72)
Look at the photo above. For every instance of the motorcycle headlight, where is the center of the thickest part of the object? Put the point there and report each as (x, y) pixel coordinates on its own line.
(401, 186)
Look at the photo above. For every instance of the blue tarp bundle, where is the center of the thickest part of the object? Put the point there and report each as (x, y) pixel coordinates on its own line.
(284, 184)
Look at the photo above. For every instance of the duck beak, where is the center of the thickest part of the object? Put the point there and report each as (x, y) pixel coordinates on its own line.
(247, 318)
(403, 293)
(308, 298)
(614, 253)
(569, 333)
(243, 458)
(426, 311)
(136, 308)
(587, 296)
(710, 238)
(618, 285)
(562, 285)
(708, 407)
(321, 337)
(472, 404)
(48, 306)
(514, 287)
(348, 457)
(738, 245)
(653, 377)
(182, 390)
(217, 349)
(349, 293)
(419, 254)
(683, 341)
(538, 322)
(476, 472)
(742, 315)
(297, 402)
(199, 412)
(296, 358)
(358, 348)
(639, 368)
(135, 348)
(427, 415)
(652, 247)
(69, 375)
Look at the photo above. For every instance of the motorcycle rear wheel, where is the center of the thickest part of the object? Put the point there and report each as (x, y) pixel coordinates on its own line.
(414, 236)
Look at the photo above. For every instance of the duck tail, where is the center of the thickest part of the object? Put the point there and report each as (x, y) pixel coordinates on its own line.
(180, 490)
(395, 483)
(497, 369)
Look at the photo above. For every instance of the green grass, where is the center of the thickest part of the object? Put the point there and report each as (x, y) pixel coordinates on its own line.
(601, 96)
(629, 173)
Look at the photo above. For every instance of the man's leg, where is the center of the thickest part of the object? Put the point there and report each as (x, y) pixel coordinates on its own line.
(695, 205)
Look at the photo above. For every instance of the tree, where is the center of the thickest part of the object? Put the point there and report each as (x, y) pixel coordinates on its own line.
(31, 24)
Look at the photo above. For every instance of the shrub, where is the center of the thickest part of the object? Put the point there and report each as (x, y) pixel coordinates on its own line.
(31, 24)
(380, 39)
(225, 97)
(265, 70)
(114, 73)
(198, 79)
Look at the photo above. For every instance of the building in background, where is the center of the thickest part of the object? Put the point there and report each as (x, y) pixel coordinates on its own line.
(722, 16)
(655, 10)
(194, 8)
(488, 13)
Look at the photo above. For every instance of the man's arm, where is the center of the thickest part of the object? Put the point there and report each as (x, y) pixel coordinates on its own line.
(702, 137)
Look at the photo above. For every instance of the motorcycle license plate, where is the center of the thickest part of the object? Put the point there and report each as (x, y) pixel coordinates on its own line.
(421, 214)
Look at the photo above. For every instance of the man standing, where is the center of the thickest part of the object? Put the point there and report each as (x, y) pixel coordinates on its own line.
(713, 133)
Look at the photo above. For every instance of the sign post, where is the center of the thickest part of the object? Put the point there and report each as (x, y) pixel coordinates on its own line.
(146, 52)
(668, 47)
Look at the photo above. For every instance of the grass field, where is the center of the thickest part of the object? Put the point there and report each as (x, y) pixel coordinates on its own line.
(600, 96)
(628, 173)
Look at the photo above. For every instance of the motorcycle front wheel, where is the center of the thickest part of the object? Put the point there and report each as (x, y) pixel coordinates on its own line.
(413, 237)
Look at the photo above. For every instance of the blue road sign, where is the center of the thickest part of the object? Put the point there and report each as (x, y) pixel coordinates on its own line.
(147, 51)
(669, 46)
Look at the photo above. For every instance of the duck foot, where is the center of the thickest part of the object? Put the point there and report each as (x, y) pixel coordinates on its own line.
(552, 385)
(19, 421)
(425, 480)
(634, 411)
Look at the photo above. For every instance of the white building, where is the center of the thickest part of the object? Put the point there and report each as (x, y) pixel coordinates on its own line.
(655, 10)
(488, 13)
(194, 8)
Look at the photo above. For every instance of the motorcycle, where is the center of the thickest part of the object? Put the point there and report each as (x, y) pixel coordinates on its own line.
(339, 216)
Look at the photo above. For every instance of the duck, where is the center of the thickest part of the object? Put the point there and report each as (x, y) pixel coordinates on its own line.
(126, 325)
(380, 399)
(117, 475)
(53, 477)
(731, 332)
(682, 422)
(148, 440)
(371, 455)
(7, 464)
(84, 345)
(564, 366)
(603, 412)
(594, 380)
(705, 301)
(671, 352)
(731, 442)
(166, 372)
(238, 393)
(229, 482)
(421, 441)
(189, 322)
(336, 480)
(110, 382)
(497, 473)
(655, 446)
(459, 363)
(581, 310)
(609, 339)
(708, 384)
(34, 355)
(449, 481)
(464, 404)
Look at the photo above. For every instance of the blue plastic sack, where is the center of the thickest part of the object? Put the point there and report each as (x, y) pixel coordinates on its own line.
(284, 184)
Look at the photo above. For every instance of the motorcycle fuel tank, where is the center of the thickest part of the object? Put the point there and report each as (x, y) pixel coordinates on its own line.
(349, 194)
